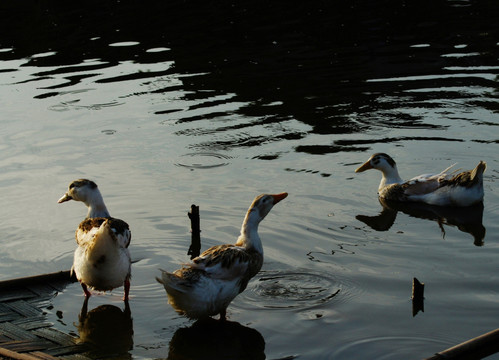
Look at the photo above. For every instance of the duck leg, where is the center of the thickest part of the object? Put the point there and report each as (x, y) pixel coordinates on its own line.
(85, 290)
(223, 315)
(127, 289)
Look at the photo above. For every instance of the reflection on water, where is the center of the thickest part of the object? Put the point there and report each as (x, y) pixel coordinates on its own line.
(107, 330)
(211, 339)
(467, 219)
(342, 69)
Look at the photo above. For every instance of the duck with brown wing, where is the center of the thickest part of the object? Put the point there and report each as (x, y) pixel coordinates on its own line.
(207, 285)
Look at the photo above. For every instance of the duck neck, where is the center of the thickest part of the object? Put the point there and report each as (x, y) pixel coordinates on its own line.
(96, 206)
(249, 232)
(389, 176)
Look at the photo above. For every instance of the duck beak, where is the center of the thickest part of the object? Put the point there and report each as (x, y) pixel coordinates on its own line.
(279, 197)
(366, 166)
(66, 197)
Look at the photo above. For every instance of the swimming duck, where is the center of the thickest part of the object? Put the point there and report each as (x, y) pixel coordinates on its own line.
(442, 189)
(206, 286)
(101, 260)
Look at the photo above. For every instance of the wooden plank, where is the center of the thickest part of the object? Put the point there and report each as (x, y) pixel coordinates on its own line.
(56, 336)
(43, 356)
(23, 308)
(42, 301)
(16, 294)
(4, 338)
(8, 317)
(67, 350)
(25, 333)
(14, 332)
(14, 355)
(42, 289)
(32, 323)
(27, 345)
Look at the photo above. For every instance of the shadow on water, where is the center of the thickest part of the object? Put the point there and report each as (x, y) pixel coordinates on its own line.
(107, 330)
(328, 65)
(466, 219)
(214, 339)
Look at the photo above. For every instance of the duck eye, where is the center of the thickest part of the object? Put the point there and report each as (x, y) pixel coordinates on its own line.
(72, 185)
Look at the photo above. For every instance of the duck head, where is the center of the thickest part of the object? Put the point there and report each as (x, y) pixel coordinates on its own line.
(378, 161)
(86, 191)
(384, 163)
(262, 205)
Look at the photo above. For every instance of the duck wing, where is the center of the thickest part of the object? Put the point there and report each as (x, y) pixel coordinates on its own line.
(427, 183)
(225, 262)
(420, 186)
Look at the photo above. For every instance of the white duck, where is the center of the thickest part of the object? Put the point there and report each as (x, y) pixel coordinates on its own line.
(443, 189)
(101, 260)
(206, 286)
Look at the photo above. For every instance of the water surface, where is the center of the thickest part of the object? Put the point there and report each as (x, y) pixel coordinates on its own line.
(170, 104)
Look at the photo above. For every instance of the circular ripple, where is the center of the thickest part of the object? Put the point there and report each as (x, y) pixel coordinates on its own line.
(388, 347)
(108, 132)
(203, 160)
(294, 290)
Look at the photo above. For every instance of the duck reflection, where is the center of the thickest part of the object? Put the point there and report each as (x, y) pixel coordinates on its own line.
(467, 219)
(213, 339)
(107, 330)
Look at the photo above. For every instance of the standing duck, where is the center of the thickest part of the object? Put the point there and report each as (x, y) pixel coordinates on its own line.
(206, 286)
(101, 260)
(443, 189)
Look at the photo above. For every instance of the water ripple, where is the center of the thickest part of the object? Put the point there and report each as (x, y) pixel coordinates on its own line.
(203, 160)
(387, 347)
(299, 289)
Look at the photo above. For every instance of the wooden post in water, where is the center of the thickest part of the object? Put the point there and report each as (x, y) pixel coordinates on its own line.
(417, 296)
(195, 248)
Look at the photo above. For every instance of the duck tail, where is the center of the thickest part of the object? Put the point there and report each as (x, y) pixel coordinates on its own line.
(171, 282)
(478, 171)
(103, 243)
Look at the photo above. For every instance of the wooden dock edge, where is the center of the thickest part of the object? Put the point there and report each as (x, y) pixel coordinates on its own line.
(30, 280)
(476, 348)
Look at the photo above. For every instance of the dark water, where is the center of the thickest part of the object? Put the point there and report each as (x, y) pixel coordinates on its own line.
(166, 104)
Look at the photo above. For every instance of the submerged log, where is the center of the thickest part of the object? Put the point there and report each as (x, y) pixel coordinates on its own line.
(195, 248)
(476, 348)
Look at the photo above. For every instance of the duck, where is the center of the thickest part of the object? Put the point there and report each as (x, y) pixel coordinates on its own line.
(206, 286)
(102, 260)
(447, 188)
